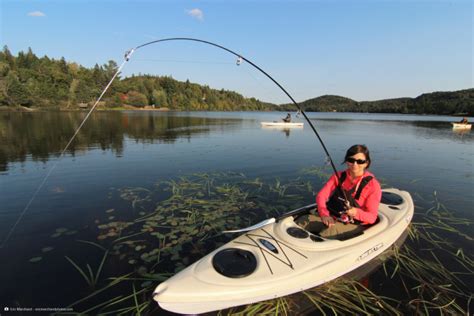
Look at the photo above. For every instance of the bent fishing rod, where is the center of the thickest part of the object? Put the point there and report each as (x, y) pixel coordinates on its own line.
(128, 54)
(127, 57)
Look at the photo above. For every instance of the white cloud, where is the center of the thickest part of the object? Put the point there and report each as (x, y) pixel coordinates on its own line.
(196, 13)
(36, 13)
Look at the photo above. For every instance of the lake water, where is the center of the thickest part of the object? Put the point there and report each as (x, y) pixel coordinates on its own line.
(119, 151)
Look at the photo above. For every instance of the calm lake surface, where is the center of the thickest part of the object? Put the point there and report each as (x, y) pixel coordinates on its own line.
(119, 151)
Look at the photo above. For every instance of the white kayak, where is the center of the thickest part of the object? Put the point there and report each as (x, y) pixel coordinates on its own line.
(281, 124)
(279, 259)
(461, 126)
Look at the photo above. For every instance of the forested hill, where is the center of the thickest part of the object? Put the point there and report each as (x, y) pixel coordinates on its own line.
(448, 103)
(29, 81)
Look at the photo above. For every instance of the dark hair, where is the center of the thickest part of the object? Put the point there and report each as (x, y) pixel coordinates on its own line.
(356, 149)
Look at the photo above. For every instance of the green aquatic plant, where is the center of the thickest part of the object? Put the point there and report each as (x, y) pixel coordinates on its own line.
(63, 231)
(278, 306)
(186, 219)
(36, 259)
(323, 173)
(433, 286)
(90, 276)
(178, 220)
(346, 296)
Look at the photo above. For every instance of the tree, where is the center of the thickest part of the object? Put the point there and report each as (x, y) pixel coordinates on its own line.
(7, 57)
(110, 69)
(159, 98)
(16, 93)
(137, 99)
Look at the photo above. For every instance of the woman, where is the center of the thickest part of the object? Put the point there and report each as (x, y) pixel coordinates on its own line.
(345, 209)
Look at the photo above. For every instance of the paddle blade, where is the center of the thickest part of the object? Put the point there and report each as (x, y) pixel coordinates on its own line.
(256, 226)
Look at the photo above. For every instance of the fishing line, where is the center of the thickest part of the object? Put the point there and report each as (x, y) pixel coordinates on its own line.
(185, 61)
(262, 71)
(22, 214)
(257, 80)
(127, 56)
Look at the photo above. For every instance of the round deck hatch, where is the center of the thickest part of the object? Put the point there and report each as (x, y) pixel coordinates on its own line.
(234, 262)
(391, 198)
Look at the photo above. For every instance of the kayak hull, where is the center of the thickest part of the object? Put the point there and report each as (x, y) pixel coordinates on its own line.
(461, 126)
(282, 124)
(284, 264)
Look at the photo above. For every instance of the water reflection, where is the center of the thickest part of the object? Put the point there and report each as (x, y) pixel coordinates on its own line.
(285, 130)
(461, 132)
(441, 130)
(45, 134)
(434, 130)
(428, 159)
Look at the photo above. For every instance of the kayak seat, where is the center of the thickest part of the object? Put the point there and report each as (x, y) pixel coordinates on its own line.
(302, 232)
(358, 232)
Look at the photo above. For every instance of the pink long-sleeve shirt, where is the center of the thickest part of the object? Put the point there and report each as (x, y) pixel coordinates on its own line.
(369, 198)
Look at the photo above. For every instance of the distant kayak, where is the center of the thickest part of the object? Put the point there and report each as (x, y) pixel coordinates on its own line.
(277, 257)
(461, 126)
(281, 124)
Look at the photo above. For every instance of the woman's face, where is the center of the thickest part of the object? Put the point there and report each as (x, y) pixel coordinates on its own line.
(357, 163)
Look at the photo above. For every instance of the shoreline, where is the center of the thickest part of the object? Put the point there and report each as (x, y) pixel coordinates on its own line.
(24, 109)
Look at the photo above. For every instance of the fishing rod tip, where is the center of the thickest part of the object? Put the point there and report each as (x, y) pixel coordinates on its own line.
(129, 53)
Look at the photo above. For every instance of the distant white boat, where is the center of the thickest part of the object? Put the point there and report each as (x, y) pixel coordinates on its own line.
(282, 124)
(461, 126)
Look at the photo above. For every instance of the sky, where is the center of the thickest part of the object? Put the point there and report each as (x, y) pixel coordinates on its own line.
(360, 49)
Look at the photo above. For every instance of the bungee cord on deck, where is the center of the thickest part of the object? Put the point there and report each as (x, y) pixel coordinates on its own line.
(127, 56)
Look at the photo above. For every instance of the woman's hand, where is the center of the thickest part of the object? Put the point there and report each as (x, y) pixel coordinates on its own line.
(327, 220)
(352, 212)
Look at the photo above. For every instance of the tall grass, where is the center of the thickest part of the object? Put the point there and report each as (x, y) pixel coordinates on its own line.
(429, 271)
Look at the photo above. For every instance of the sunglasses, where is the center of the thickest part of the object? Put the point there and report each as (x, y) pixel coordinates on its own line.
(353, 160)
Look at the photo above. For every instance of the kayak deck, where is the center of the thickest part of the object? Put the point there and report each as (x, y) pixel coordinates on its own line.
(279, 259)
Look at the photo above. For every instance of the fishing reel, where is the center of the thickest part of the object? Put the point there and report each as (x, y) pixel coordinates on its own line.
(344, 218)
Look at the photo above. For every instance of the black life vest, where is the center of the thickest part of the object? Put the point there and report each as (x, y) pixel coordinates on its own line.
(336, 204)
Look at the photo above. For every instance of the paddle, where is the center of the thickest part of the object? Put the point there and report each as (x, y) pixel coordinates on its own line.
(272, 220)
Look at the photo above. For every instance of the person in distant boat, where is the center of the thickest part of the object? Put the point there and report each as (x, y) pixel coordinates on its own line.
(347, 202)
(464, 121)
(287, 119)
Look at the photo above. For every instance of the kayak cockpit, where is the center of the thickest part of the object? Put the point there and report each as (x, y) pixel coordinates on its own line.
(389, 200)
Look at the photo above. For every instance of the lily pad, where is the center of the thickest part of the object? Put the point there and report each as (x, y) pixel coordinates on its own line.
(47, 249)
(36, 259)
